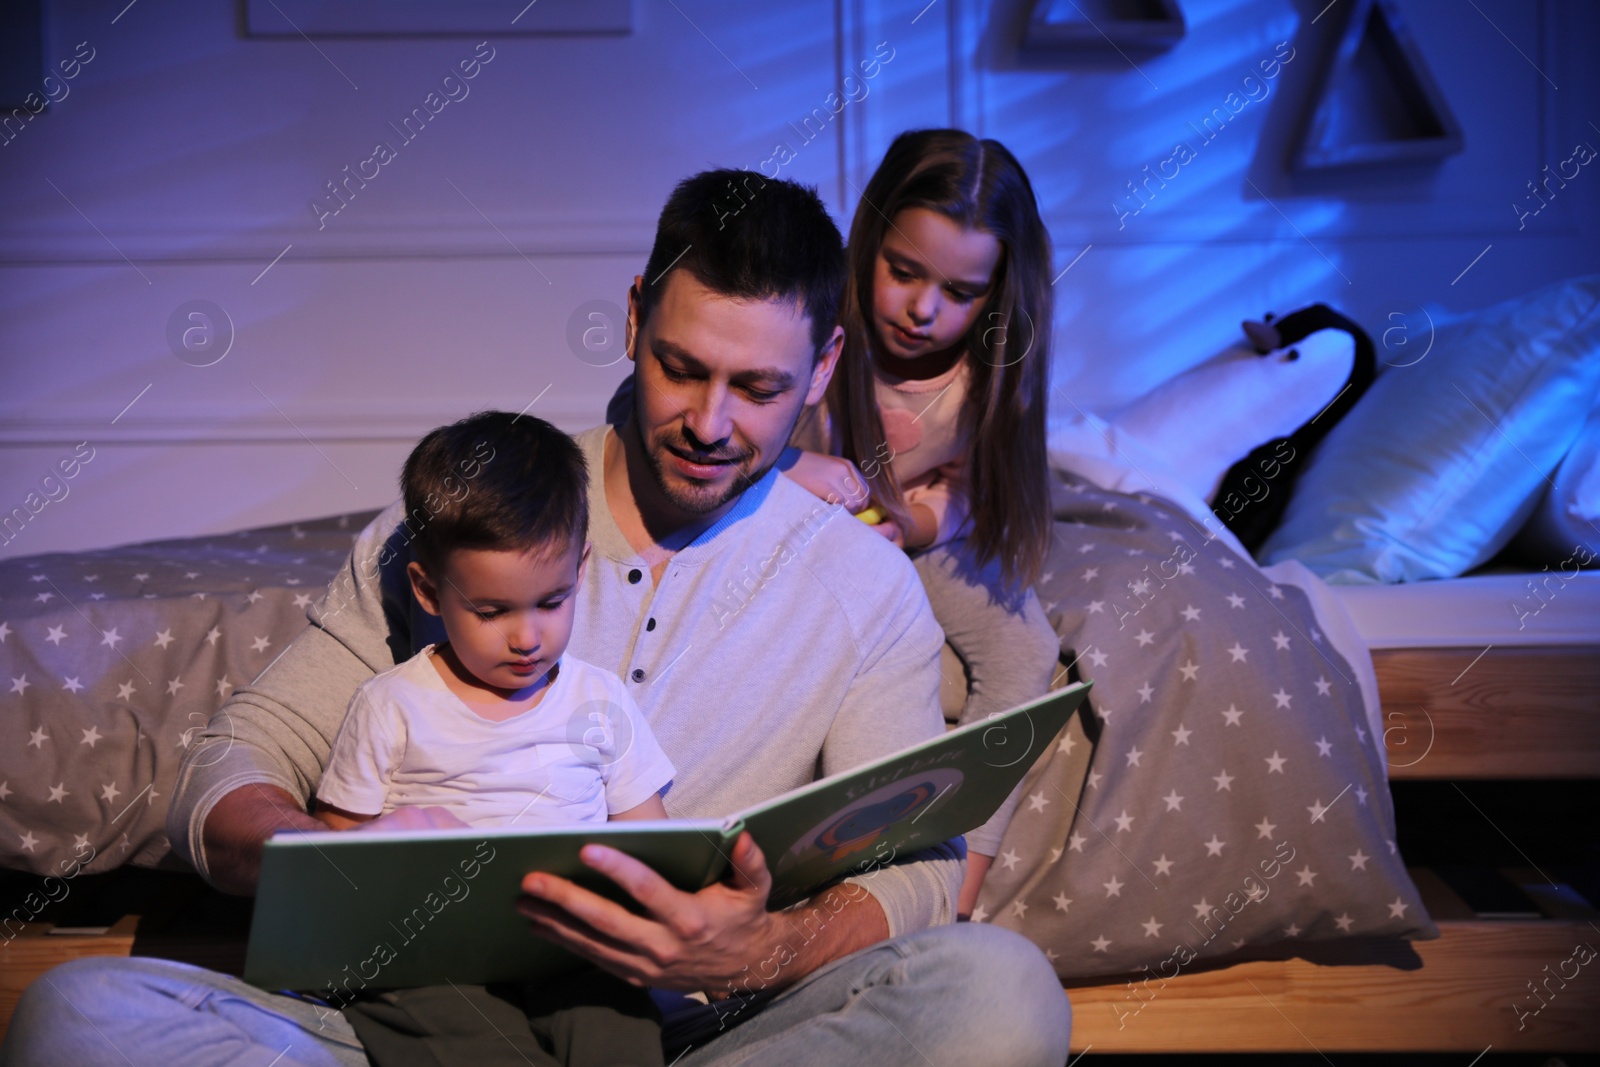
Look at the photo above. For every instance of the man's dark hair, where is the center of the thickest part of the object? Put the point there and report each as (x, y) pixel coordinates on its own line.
(494, 481)
(752, 238)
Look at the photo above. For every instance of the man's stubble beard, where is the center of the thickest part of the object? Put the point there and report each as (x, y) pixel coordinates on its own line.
(696, 503)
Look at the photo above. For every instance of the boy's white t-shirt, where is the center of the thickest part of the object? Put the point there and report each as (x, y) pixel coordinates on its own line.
(582, 753)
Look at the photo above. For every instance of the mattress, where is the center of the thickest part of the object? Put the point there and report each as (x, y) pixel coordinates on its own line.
(1505, 610)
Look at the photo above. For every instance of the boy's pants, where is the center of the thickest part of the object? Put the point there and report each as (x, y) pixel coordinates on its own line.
(585, 1018)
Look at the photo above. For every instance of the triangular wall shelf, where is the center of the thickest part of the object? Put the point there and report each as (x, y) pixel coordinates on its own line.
(1375, 102)
(1076, 27)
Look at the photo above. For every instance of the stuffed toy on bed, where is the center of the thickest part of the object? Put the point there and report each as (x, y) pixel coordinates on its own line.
(1245, 500)
(1237, 429)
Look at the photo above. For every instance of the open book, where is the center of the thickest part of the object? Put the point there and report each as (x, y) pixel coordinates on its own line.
(336, 912)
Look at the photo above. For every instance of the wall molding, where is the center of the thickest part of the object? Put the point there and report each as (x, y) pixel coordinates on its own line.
(1073, 228)
(73, 241)
(243, 425)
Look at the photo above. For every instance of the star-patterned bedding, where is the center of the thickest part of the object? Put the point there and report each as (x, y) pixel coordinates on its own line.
(1227, 787)
(112, 660)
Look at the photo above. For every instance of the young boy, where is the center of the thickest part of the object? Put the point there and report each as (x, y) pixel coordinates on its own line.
(496, 725)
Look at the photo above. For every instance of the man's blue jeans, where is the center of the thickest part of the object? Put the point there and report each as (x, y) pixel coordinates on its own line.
(944, 997)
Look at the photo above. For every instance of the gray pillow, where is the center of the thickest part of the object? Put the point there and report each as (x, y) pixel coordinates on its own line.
(1235, 795)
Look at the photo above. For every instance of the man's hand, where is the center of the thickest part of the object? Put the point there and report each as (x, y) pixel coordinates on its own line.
(833, 478)
(687, 941)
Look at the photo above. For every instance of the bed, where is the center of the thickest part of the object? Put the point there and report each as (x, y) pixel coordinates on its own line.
(1482, 452)
(1489, 678)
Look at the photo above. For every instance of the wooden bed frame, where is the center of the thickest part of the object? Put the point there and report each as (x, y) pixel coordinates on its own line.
(1453, 714)
(1449, 714)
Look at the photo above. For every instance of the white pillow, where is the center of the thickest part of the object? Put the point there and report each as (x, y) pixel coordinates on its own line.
(1582, 467)
(1444, 458)
(1564, 529)
(1211, 416)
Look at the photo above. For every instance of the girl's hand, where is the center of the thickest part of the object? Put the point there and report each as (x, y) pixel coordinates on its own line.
(891, 531)
(833, 478)
(977, 867)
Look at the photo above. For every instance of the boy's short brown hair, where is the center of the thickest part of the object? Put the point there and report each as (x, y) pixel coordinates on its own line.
(494, 481)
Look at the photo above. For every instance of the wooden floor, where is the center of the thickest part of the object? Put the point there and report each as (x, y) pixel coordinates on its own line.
(1457, 994)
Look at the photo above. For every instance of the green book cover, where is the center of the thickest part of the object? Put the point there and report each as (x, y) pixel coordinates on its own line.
(336, 912)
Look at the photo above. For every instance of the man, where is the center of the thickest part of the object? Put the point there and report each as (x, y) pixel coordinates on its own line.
(768, 637)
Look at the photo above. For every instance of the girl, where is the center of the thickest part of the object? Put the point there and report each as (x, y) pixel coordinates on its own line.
(938, 407)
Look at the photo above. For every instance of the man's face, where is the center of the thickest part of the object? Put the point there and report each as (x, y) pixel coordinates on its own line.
(719, 385)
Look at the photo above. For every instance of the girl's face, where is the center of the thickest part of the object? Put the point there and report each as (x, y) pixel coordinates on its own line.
(930, 284)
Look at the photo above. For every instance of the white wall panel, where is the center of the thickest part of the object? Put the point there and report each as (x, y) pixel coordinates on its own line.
(186, 157)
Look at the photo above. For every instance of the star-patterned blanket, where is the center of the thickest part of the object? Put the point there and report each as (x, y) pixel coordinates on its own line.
(112, 660)
(1226, 789)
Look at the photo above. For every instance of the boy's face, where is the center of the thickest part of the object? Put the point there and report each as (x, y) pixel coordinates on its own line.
(720, 384)
(508, 614)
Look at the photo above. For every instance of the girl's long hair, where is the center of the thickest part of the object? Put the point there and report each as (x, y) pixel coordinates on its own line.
(977, 184)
